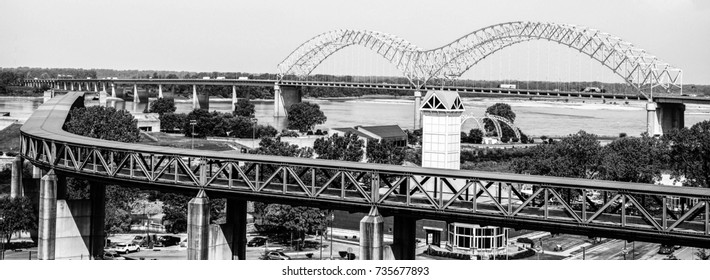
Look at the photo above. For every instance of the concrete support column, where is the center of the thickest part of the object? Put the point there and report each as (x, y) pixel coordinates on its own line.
(234, 97)
(160, 91)
(16, 178)
(372, 235)
(278, 102)
(652, 126)
(72, 86)
(670, 116)
(405, 238)
(198, 222)
(136, 100)
(47, 216)
(195, 103)
(417, 113)
(113, 90)
(79, 86)
(65, 86)
(97, 239)
(96, 87)
(103, 87)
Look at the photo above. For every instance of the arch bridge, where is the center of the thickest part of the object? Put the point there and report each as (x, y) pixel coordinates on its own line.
(628, 211)
(634, 65)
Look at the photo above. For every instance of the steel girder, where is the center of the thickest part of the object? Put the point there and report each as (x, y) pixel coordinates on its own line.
(637, 67)
(583, 210)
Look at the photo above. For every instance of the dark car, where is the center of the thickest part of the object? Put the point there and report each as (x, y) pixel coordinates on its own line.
(256, 241)
(167, 240)
(666, 249)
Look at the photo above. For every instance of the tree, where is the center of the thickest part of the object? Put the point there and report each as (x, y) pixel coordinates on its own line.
(385, 152)
(274, 147)
(109, 124)
(629, 159)
(280, 219)
(305, 116)
(689, 154)
(576, 156)
(348, 147)
(475, 136)
(162, 106)
(244, 108)
(103, 123)
(171, 122)
(17, 216)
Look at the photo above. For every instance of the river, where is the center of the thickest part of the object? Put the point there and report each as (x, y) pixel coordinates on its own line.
(537, 118)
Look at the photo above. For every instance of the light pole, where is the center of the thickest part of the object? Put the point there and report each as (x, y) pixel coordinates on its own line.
(332, 218)
(193, 123)
(2, 237)
(253, 132)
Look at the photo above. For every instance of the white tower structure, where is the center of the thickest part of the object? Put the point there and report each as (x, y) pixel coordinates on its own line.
(441, 129)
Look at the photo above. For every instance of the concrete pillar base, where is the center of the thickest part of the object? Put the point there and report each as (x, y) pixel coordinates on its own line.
(372, 236)
(47, 217)
(16, 189)
(198, 222)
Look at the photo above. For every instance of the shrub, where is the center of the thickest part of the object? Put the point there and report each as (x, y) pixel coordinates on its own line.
(289, 133)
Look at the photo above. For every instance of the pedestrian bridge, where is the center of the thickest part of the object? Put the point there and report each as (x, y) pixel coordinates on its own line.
(630, 211)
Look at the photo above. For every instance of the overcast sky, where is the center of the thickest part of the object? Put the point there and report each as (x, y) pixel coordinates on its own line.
(254, 36)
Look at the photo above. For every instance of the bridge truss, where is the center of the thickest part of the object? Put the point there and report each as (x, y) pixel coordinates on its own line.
(637, 67)
(587, 207)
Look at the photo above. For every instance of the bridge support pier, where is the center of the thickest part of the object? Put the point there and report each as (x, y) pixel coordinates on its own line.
(200, 101)
(136, 100)
(71, 85)
(198, 227)
(405, 235)
(96, 87)
(65, 86)
(228, 241)
(284, 97)
(160, 91)
(417, 113)
(663, 117)
(234, 97)
(79, 86)
(372, 235)
(47, 217)
(16, 178)
(113, 90)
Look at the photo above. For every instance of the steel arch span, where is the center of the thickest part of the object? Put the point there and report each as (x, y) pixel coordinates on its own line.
(637, 67)
(496, 122)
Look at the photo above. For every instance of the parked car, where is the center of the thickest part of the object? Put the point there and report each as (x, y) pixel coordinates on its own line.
(666, 249)
(167, 240)
(111, 255)
(257, 241)
(127, 248)
(140, 240)
(276, 255)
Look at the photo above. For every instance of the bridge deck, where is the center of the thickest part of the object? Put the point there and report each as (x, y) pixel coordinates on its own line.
(589, 207)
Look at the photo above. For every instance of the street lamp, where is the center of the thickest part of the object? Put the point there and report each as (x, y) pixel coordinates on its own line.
(2, 238)
(331, 218)
(193, 123)
(253, 132)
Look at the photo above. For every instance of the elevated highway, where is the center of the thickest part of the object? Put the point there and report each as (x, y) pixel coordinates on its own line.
(628, 211)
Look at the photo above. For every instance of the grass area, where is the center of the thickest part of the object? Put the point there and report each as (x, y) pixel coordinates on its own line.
(10, 138)
(180, 141)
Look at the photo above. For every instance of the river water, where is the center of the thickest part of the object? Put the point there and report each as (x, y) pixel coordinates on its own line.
(537, 118)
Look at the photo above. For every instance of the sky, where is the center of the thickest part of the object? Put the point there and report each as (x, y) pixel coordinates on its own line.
(254, 36)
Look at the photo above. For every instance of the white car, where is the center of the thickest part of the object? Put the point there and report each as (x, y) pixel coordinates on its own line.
(126, 248)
